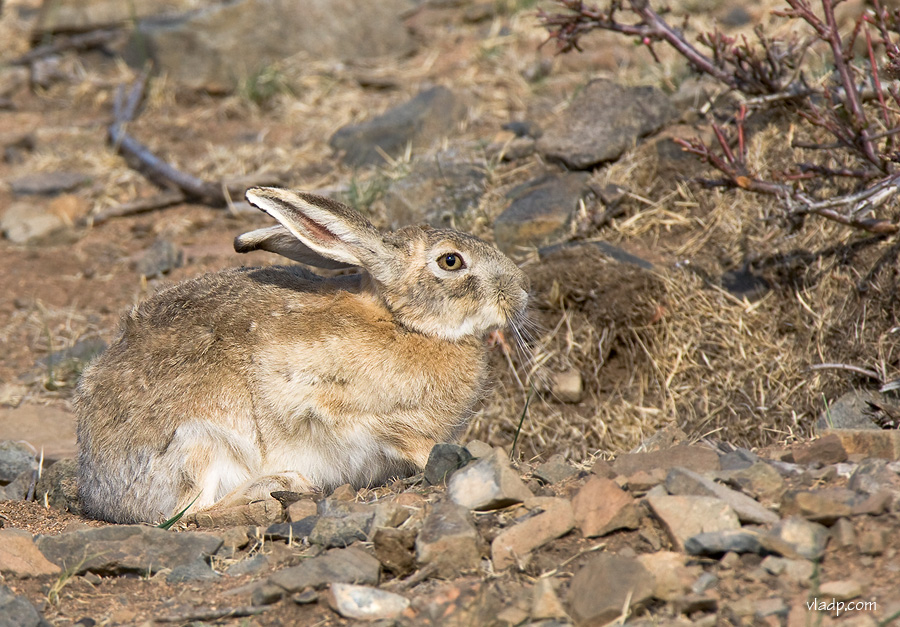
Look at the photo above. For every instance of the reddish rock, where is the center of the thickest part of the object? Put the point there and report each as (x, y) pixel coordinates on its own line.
(644, 480)
(826, 450)
(298, 510)
(671, 574)
(882, 443)
(515, 543)
(696, 458)
(603, 468)
(605, 585)
(545, 604)
(601, 507)
(20, 557)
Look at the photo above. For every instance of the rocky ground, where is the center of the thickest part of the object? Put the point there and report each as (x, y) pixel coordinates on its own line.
(675, 534)
(649, 457)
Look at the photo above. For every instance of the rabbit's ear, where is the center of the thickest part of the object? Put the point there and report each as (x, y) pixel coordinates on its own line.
(278, 240)
(326, 227)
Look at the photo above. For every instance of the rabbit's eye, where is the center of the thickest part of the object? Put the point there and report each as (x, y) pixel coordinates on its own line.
(451, 262)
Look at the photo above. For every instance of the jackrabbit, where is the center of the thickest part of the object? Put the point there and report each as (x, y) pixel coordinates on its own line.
(226, 387)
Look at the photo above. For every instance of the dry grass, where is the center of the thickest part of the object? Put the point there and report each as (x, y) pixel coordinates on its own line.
(653, 348)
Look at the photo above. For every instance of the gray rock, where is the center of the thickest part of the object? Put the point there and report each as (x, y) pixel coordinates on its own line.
(350, 565)
(478, 449)
(48, 183)
(198, 570)
(850, 411)
(341, 531)
(337, 508)
(443, 460)
(686, 516)
(489, 483)
(718, 543)
(761, 480)
(66, 365)
(266, 594)
(828, 504)
(622, 581)
(17, 611)
(439, 191)
(18, 488)
(26, 221)
(555, 470)
(364, 602)
(602, 122)
(872, 476)
(797, 537)
(221, 47)
(250, 566)
(126, 549)
(540, 212)
(14, 460)
(448, 541)
(738, 459)
(696, 458)
(59, 483)
(687, 482)
(294, 531)
(162, 257)
(421, 121)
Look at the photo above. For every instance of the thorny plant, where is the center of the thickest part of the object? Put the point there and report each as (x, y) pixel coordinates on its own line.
(850, 117)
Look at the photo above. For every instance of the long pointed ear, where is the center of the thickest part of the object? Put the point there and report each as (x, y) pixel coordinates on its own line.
(277, 239)
(327, 227)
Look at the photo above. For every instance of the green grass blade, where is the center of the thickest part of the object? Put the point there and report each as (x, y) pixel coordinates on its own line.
(174, 519)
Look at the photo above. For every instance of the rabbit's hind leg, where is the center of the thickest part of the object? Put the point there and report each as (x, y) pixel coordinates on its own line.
(262, 487)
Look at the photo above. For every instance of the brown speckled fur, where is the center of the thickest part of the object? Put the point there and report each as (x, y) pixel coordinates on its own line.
(233, 384)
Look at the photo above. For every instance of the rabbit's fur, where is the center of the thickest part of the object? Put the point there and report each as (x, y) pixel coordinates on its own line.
(226, 387)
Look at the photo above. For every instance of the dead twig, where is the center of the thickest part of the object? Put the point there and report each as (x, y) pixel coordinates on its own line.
(849, 367)
(136, 207)
(859, 171)
(141, 158)
(83, 41)
(179, 186)
(212, 614)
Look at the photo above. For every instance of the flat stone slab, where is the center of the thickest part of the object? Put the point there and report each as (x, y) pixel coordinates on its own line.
(125, 549)
(337, 565)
